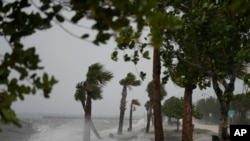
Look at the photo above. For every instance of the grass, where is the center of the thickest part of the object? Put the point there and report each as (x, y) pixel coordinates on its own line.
(201, 131)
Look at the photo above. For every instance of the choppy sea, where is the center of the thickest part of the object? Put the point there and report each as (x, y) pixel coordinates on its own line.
(54, 128)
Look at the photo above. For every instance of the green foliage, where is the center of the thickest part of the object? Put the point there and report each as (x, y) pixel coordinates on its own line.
(130, 80)
(210, 45)
(241, 7)
(19, 69)
(205, 39)
(24, 63)
(172, 107)
(197, 112)
(142, 75)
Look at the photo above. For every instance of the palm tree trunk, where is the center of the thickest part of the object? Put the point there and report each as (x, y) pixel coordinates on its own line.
(130, 117)
(122, 109)
(92, 126)
(187, 126)
(156, 96)
(149, 116)
(86, 134)
(94, 130)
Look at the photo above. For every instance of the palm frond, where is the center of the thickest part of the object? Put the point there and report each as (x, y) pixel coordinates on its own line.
(149, 89)
(97, 75)
(136, 102)
(96, 78)
(104, 77)
(96, 92)
(147, 105)
(80, 93)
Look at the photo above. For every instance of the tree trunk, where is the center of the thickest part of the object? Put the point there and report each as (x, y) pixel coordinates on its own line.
(243, 117)
(130, 117)
(92, 126)
(187, 125)
(178, 125)
(122, 109)
(156, 96)
(94, 130)
(149, 115)
(169, 121)
(86, 135)
(223, 133)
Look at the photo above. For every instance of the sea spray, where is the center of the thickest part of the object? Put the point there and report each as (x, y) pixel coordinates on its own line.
(72, 129)
(58, 129)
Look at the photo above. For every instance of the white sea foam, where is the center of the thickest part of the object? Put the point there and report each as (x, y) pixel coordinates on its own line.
(72, 130)
(60, 132)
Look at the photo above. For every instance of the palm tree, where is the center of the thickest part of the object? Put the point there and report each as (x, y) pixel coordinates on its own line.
(149, 104)
(132, 108)
(127, 82)
(90, 89)
(159, 135)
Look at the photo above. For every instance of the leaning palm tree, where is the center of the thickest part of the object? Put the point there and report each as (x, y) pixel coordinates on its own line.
(134, 102)
(149, 103)
(90, 89)
(127, 82)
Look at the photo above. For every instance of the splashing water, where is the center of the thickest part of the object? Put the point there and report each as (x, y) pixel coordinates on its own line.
(57, 129)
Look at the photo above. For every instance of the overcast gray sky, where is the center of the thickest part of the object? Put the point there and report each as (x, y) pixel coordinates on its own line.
(68, 58)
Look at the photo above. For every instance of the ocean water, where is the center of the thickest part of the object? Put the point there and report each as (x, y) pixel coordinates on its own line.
(67, 129)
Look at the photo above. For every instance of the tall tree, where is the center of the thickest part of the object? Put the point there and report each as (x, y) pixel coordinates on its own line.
(127, 82)
(134, 102)
(183, 75)
(186, 78)
(90, 89)
(149, 104)
(212, 37)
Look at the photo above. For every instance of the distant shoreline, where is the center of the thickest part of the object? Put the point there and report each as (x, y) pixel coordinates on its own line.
(63, 116)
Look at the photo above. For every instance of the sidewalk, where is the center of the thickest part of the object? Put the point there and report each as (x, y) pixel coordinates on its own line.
(202, 132)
